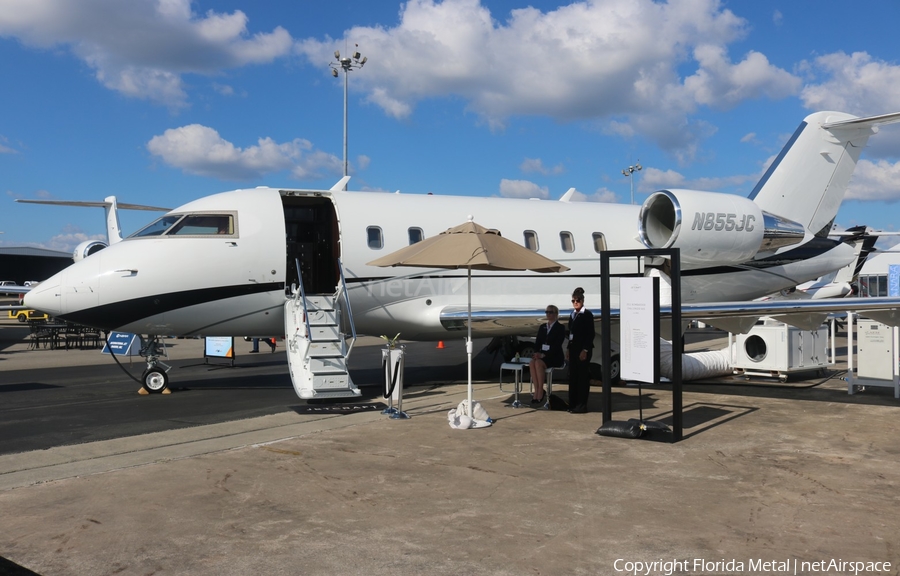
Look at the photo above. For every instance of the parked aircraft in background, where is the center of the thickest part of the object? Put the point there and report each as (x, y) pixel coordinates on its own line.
(840, 283)
(265, 261)
(113, 229)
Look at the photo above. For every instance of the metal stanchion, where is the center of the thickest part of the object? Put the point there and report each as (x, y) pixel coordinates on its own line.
(393, 359)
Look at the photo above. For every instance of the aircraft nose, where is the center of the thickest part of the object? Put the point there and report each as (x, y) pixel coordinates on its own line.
(45, 297)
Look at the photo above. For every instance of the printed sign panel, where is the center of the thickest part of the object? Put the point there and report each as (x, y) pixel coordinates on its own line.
(636, 317)
(122, 344)
(219, 346)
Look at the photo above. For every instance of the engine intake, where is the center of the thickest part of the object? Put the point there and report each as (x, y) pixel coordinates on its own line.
(87, 248)
(713, 229)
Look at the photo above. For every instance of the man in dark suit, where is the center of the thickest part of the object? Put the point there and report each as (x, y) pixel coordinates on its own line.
(578, 353)
(548, 352)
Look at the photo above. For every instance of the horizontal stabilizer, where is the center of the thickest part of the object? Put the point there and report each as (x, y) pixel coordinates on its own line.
(95, 204)
(864, 122)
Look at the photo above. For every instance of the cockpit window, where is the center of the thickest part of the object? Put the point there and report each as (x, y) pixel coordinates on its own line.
(190, 225)
(203, 225)
(158, 227)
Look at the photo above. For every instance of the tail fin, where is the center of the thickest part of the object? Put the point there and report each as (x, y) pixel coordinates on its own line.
(807, 181)
(113, 229)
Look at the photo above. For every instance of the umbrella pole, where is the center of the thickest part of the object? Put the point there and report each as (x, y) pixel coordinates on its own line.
(469, 344)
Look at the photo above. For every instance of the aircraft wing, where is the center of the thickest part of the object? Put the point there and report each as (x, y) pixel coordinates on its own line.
(736, 317)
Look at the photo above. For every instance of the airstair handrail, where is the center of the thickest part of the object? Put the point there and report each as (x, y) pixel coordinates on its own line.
(343, 288)
(303, 299)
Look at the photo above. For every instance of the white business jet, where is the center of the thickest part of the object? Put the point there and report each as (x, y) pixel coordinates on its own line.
(263, 261)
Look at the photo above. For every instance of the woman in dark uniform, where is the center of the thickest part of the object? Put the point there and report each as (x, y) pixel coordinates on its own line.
(548, 352)
(578, 353)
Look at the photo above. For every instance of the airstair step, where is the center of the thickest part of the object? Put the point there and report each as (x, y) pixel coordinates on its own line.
(325, 350)
(322, 317)
(345, 393)
(316, 302)
(324, 334)
(330, 382)
(327, 366)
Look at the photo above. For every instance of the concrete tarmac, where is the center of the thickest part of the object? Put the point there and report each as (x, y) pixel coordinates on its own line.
(766, 473)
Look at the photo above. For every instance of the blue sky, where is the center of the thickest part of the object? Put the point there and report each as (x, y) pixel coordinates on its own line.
(164, 101)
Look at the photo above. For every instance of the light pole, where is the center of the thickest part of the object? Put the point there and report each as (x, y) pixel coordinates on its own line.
(346, 64)
(629, 172)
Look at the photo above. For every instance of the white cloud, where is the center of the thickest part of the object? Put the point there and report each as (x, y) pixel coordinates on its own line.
(537, 165)
(720, 84)
(142, 48)
(200, 150)
(4, 149)
(70, 237)
(654, 179)
(522, 189)
(861, 85)
(879, 180)
(618, 60)
(599, 195)
(855, 83)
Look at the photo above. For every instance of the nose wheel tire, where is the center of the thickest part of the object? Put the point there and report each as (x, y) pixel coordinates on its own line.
(155, 380)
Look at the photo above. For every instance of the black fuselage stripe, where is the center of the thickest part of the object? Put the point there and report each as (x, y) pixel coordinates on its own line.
(122, 313)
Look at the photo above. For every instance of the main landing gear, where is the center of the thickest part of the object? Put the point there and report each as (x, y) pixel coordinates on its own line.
(155, 379)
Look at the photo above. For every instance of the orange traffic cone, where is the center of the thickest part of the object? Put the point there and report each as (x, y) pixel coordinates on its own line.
(440, 345)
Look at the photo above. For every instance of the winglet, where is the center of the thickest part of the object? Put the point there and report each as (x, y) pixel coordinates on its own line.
(341, 184)
(567, 197)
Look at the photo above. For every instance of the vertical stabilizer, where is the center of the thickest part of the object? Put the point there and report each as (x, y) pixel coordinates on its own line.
(808, 180)
(113, 229)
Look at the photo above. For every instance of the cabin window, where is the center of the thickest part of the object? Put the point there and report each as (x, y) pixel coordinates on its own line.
(415, 235)
(374, 238)
(204, 225)
(599, 242)
(566, 241)
(158, 227)
(531, 240)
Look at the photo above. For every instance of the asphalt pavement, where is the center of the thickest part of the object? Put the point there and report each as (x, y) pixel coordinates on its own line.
(769, 479)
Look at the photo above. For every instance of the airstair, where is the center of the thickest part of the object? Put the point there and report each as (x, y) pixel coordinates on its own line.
(317, 349)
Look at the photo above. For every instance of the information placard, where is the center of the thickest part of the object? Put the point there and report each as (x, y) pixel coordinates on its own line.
(122, 344)
(219, 347)
(636, 317)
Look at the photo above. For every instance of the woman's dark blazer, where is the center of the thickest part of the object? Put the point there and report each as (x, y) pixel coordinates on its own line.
(554, 357)
(582, 331)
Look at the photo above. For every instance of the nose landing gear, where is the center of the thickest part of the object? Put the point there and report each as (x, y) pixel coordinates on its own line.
(155, 379)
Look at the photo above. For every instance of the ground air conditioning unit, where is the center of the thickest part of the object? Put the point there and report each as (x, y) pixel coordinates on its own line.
(775, 350)
(876, 357)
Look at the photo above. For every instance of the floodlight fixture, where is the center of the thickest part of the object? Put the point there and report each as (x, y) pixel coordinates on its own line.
(629, 173)
(346, 64)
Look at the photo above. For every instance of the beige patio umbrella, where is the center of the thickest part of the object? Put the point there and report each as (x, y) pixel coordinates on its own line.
(473, 247)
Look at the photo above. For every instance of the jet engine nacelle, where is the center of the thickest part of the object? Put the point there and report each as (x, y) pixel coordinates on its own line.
(87, 248)
(713, 229)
